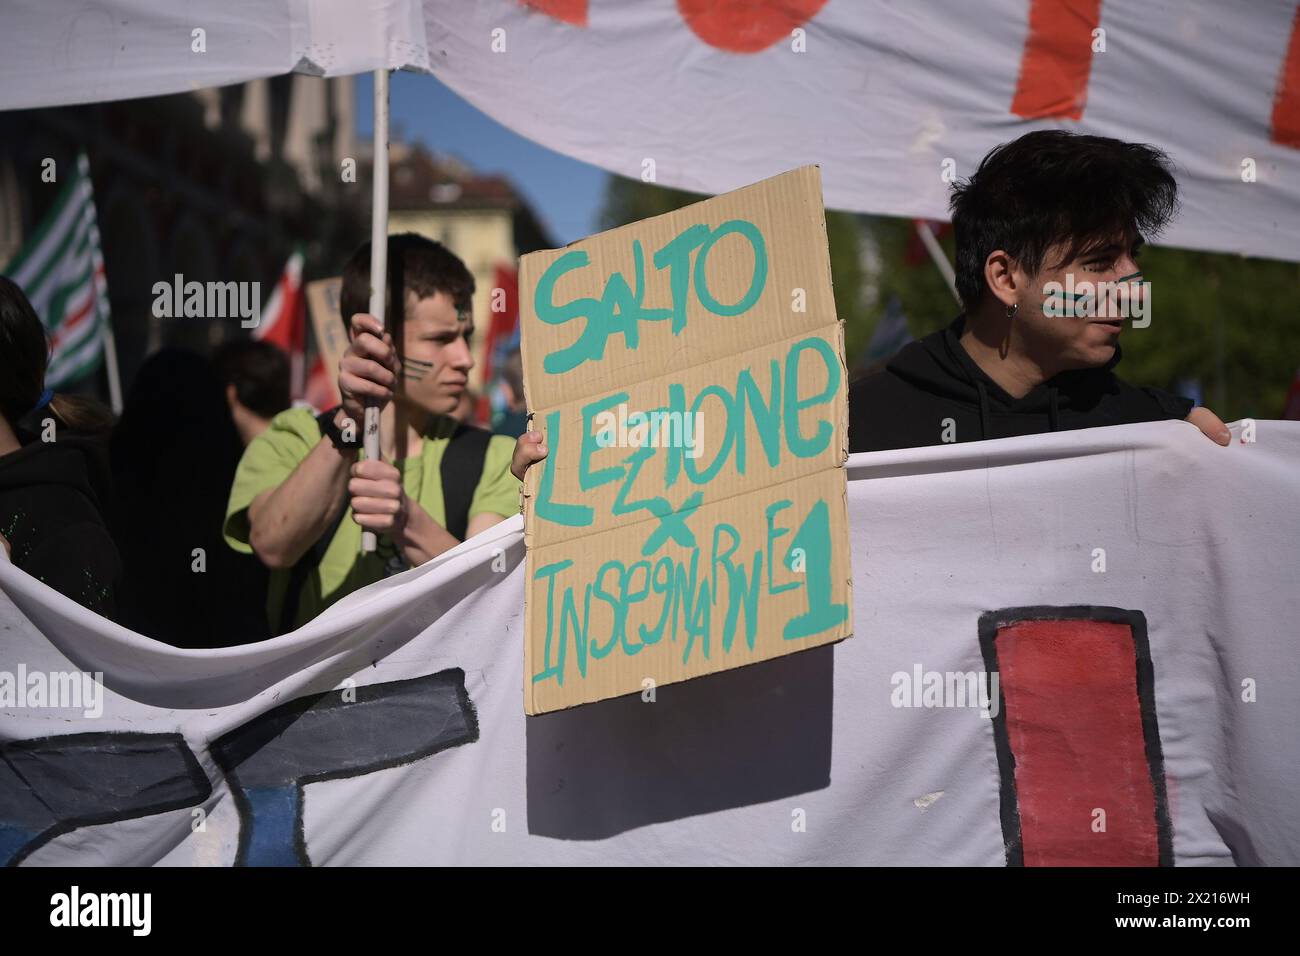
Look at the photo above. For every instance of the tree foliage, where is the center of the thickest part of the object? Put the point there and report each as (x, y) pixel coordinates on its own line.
(1229, 322)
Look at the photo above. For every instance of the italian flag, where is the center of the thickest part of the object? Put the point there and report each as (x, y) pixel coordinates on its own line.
(284, 324)
(61, 270)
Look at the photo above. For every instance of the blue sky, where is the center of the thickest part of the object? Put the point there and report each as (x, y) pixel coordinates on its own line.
(564, 192)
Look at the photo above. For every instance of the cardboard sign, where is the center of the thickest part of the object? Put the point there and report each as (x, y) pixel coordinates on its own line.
(331, 338)
(688, 374)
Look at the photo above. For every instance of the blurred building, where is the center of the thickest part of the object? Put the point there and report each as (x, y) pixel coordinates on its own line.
(483, 219)
(217, 185)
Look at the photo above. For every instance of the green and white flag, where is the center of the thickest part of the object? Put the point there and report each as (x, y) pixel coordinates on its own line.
(61, 269)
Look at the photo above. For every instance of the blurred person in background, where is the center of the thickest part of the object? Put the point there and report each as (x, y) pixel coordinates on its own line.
(256, 379)
(174, 455)
(510, 411)
(467, 409)
(54, 470)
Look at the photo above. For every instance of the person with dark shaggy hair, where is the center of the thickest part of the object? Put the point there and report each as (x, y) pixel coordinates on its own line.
(54, 472)
(1050, 212)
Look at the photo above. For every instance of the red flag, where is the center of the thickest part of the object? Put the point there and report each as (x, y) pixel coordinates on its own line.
(322, 388)
(284, 321)
(504, 309)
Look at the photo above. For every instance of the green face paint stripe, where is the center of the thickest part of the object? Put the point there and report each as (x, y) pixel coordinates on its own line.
(416, 369)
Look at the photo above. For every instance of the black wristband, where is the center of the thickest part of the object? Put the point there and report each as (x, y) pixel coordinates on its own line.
(330, 430)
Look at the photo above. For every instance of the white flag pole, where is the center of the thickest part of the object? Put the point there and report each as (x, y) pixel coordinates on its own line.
(936, 254)
(110, 366)
(378, 258)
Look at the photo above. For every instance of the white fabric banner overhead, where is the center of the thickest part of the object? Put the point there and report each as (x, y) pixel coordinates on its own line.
(1133, 590)
(892, 99)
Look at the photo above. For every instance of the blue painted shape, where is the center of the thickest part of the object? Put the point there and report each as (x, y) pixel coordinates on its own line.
(271, 824)
(12, 842)
(52, 785)
(268, 760)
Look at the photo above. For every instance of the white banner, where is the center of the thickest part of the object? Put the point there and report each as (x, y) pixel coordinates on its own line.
(892, 99)
(1132, 588)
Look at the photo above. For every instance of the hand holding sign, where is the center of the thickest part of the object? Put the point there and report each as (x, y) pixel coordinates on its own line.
(530, 448)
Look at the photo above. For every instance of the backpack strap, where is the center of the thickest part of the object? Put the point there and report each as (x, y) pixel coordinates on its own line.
(462, 467)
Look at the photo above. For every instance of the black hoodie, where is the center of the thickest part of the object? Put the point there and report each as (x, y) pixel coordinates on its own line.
(50, 499)
(934, 379)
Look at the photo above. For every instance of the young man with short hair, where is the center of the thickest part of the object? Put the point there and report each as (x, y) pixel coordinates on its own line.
(1042, 215)
(256, 378)
(302, 495)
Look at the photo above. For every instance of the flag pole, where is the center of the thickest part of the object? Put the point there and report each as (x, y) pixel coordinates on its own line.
(378, 257)
(936, 254)
(110, 366)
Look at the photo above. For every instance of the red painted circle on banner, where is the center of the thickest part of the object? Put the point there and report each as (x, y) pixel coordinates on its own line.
(746, 26)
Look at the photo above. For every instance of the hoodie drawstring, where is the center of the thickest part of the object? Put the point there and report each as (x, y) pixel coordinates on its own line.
(984, 409)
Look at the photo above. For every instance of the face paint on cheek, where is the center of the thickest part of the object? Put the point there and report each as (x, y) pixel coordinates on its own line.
(415, 369)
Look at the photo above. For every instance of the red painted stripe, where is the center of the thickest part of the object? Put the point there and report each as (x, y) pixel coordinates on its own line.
(568, 11)
(1057, 59)
(1074, 724)
(1285, 126)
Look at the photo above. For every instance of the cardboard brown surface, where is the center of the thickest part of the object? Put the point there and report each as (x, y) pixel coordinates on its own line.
(715, 534)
